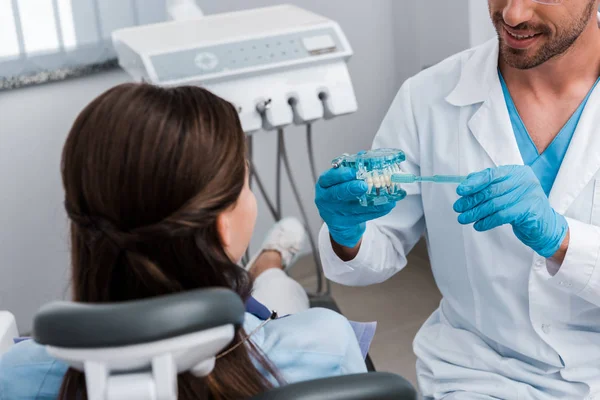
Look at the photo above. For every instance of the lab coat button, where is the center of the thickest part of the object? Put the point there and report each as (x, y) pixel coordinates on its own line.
(546, 329)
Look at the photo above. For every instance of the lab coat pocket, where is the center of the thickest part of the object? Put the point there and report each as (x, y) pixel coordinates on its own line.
(595, 218)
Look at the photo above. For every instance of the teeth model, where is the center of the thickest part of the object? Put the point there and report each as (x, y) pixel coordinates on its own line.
(376, 168)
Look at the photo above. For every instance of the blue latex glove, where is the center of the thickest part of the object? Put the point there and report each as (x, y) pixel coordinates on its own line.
(512, 195)
(337, 194)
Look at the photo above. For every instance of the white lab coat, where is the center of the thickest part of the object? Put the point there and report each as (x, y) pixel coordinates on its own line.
(506, 327)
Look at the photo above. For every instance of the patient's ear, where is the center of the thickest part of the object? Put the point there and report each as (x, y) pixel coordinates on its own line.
(224, 229)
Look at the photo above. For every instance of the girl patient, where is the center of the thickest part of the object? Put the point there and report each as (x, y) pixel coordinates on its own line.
(157, 192)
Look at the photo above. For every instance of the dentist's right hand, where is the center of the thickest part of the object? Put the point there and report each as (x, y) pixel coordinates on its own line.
(337, 194)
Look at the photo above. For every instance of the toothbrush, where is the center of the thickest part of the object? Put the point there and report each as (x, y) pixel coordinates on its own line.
(410, 178)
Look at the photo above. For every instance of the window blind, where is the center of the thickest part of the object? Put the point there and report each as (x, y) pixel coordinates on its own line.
(43, 40)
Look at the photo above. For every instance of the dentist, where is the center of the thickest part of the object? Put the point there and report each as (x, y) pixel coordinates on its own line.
(515, 249)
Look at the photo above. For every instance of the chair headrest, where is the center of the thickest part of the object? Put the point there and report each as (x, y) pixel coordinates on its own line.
(78, 325)
(370, 386)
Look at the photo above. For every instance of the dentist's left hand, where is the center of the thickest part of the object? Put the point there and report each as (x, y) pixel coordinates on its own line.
(512, 195)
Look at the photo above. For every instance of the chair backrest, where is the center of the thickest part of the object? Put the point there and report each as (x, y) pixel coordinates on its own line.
(370, 386)
(8, 331)
(135, 350)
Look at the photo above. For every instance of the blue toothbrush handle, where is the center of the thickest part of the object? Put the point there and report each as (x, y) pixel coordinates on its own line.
(410, 178)
(444, 178)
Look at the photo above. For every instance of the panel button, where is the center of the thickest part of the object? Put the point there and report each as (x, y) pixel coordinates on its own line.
(206, 61)
(319, 43)
(546, 329)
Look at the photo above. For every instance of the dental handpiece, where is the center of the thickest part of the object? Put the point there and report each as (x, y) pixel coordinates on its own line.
(410, 178)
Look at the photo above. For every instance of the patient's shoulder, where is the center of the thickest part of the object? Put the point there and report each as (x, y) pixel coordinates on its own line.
(25, 353)
(322, 317)
(312, 344)
(317, 330)
(28, 371)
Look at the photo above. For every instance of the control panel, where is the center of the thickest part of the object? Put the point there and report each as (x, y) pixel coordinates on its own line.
(215, 59)
(277, 65)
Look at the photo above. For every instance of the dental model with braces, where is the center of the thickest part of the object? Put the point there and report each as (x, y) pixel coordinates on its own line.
(376, 168)
(381, 171)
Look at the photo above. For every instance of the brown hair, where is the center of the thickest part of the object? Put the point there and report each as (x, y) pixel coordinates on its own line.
(146, 171)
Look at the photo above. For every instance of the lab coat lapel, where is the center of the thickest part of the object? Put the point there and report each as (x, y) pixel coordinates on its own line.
(582, 160)
(490, 125)
(493, 130)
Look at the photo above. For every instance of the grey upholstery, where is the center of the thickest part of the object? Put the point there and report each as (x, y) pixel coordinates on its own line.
(77, 325)
(370, 386)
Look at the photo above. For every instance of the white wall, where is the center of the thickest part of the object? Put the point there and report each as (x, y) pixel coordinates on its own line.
(439, 29)
(406, 35)
(33, 238)
(481, 27)
(442, 28)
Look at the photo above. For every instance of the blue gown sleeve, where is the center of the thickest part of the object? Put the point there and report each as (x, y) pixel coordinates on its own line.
(27, 371)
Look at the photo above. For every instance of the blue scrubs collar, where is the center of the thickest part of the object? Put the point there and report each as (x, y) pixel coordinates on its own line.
(545, 165)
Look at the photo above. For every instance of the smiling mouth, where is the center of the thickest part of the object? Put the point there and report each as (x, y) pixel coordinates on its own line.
(522, 37)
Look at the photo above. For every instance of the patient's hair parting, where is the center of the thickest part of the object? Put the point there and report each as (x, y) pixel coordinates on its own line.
(146, 171)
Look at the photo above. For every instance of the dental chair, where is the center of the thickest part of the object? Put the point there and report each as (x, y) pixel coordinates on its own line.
(8, 331)
(135, 350)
